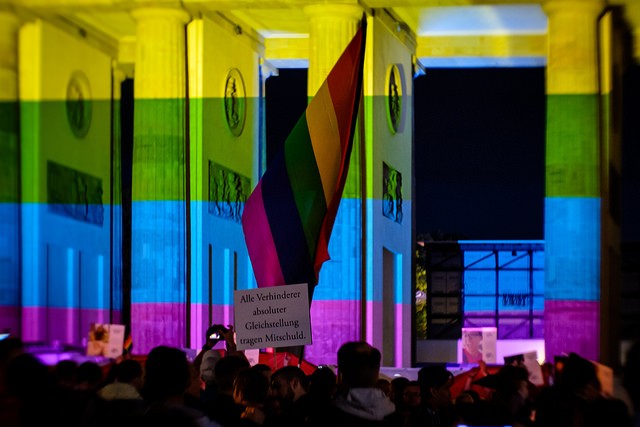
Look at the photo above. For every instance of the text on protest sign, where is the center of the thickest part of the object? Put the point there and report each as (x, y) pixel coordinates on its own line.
(272, 317)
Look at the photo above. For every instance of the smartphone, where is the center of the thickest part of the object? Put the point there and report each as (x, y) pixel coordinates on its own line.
(215, 336)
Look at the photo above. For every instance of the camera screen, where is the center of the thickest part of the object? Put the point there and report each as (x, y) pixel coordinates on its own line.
(214, 336)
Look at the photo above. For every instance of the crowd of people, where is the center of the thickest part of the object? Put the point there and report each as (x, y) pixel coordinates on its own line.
(224, 390)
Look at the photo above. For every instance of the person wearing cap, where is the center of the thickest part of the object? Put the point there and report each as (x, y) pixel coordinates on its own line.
(436, 408)
(208, 357)
(510, 403)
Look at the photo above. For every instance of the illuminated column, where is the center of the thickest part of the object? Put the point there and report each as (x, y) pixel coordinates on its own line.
(117, 300)
(336, 309)
(331, 28)
(158, 252)
(612, 58)
(572, 199)
(9, 175)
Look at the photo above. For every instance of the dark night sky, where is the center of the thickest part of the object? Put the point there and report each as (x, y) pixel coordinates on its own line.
(479, 144)
(479, 149)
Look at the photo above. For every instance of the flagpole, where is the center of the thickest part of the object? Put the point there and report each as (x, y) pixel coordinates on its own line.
(275, 358)
(300, 356)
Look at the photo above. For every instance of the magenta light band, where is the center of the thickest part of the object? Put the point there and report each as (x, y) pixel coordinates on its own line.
(65, 325)
(372, 308)
(154, 324)
(572, 326)
(10, 319)
(402, 331)
(332, 323)
(34, 324)
(221, 314)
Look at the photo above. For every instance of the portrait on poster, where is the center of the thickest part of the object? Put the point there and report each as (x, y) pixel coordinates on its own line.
(471, 345)
(479, 344)
(105, 340)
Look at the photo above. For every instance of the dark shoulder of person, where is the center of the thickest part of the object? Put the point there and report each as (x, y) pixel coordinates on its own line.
(123, 412)
(335, 417)
(223, 410)
(607, 412)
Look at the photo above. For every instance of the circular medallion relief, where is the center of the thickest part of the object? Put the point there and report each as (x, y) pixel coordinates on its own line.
(78, 104)
(393, 90)
(234, 101)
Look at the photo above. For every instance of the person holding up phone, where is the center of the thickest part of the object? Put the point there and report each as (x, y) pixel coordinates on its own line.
(208, 357)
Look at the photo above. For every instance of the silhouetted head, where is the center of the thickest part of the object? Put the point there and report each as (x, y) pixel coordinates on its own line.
(250, 387)
(322, 383)
(435, 385)
(167, 373)
(89, 375)
(579, 373)
(358, 365)
(397, 389)
(65, 372)
(128, 370)
(227, 370)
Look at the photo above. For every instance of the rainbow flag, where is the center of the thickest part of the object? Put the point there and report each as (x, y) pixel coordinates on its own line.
(128, 345)
(287, 220)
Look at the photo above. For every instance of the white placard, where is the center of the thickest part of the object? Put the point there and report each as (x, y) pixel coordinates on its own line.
(105, 340)
(479, 344)
(530, 361)
(489, 338)
(252, 355)
(534, 368)
(277, 316)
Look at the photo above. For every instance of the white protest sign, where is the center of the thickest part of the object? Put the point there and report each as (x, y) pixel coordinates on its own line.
(252, 355)
(105, 340)
(277, 316)
(530, 361)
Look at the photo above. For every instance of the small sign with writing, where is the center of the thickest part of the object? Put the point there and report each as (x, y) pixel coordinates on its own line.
(277, 316)
(105, 340)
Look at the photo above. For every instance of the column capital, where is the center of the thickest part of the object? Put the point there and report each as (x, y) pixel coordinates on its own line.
(159, 53)
(572, 45)
(553, 6)
(343, 10)
(9, 21)
(9, 25)
(153, 12)
(332, 25)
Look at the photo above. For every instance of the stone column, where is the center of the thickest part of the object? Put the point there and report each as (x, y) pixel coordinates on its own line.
(159, 228)
(572, 195)
(120, 308)
(332, 26)
(337, 306)
(10, 315)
